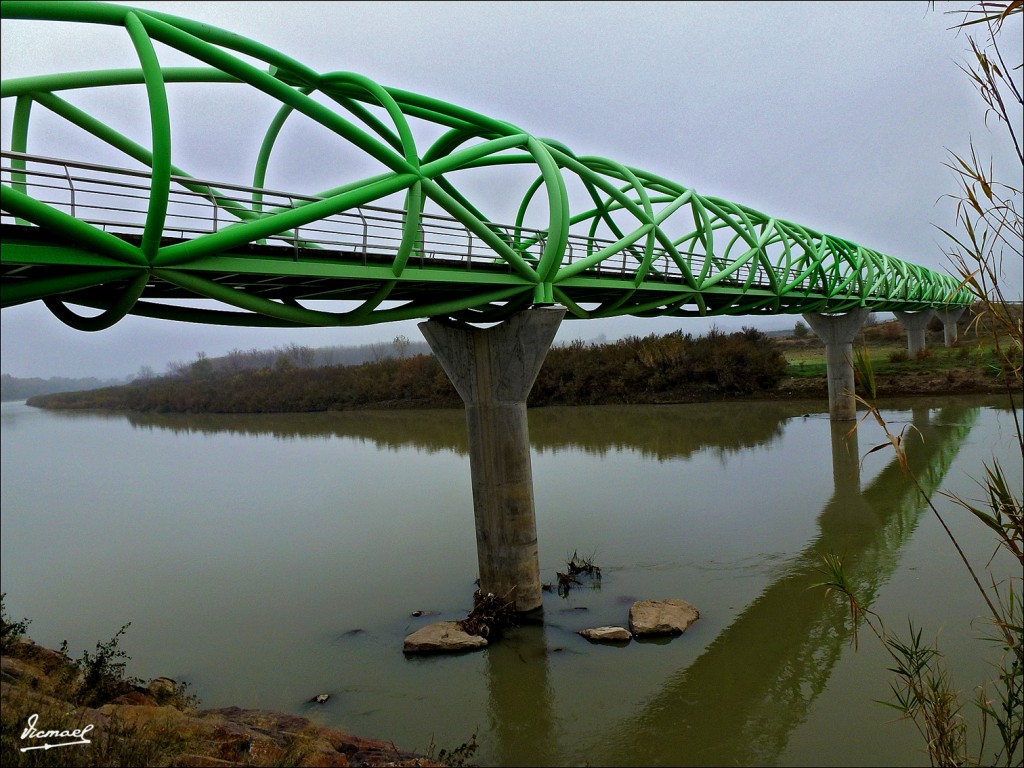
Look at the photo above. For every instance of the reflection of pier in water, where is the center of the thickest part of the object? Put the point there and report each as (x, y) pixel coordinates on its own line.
(758, 678)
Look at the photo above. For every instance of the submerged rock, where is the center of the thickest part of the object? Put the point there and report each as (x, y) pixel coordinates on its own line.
(442, 637)
(648, 618)
(607, 634)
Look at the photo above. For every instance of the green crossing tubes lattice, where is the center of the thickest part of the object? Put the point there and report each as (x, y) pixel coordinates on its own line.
(639, 244)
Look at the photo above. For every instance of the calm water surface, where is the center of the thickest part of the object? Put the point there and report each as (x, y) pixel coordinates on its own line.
(265, 559)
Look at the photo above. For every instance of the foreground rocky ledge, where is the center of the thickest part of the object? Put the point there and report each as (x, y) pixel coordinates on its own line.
(136, 728)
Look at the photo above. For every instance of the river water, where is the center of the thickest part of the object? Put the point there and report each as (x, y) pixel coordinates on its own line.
(266, 559)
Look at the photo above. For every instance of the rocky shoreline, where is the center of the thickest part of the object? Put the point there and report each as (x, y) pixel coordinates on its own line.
(50, 701)
(157, 726)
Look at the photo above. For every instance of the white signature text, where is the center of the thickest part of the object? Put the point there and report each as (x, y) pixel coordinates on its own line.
(33, 733)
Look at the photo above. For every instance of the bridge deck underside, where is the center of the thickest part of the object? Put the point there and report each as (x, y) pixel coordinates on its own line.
(288, 274)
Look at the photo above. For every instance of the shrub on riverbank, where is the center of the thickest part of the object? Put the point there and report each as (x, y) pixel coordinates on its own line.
(654, 368)
(659, 368)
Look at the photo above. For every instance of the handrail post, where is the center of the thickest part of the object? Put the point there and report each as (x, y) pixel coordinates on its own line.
(71, 187)
(366, 233)
(295, 232)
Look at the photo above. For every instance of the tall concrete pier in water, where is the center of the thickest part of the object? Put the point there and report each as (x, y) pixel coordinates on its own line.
(493, 370)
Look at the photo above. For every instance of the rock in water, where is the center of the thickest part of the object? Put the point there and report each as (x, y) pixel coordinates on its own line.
(442, 637)
(649, 618)
(607, 634)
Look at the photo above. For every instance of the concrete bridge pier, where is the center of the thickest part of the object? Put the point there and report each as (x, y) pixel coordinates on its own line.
(837, 332)
(915, 323)
(949, 318)
(493, 370)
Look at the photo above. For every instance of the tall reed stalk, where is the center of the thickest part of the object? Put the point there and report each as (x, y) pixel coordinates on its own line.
(988, 229)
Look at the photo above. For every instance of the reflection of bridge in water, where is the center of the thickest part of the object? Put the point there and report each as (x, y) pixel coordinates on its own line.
(758, 679)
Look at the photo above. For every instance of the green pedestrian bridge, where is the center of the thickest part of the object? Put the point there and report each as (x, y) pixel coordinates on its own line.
(412, 239)
(131, 241)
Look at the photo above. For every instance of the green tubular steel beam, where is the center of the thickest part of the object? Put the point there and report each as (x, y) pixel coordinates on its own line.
(33, 290)
(120, 307)
(638, 243)
(160, 125)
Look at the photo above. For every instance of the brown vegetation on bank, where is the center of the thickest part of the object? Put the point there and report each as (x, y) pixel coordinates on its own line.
(671, 368)
(127, 724)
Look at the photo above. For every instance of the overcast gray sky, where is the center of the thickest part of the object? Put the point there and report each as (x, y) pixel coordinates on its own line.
(832, 115)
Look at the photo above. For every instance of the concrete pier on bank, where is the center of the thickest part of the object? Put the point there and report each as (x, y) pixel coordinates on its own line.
(837, 332)
(950, 318)
(916, 325)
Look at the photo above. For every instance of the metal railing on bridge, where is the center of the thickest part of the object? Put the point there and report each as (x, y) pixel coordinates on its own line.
(116, 201)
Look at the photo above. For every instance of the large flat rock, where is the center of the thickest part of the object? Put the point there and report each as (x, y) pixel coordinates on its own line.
(442, 637)
(650, 618)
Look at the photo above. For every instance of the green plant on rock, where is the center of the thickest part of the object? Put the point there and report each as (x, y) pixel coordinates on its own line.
(10, 630)
(100, 675)
(457, 756)
(175, 694)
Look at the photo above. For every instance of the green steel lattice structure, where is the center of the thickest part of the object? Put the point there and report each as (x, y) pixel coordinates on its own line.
(640, 245)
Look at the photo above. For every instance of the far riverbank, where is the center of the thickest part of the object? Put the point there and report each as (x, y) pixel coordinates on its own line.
(673, 368)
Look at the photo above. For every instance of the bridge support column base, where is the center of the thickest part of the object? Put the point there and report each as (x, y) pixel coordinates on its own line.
(493, 370)
(837, 332)
(915, 323)
(949, 318)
